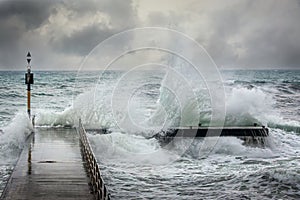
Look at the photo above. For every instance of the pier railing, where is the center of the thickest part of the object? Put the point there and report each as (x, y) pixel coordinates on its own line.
(97, 184)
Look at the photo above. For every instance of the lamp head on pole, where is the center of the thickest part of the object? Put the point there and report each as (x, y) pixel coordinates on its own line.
(28, 58)
(28, 75)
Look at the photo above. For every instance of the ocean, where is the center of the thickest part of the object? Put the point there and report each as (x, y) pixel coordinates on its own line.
(134, 107)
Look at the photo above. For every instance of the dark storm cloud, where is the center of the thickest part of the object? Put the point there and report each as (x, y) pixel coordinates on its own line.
(20, 21)
(16, 19)
(236, 33)
(121, 16)
(83, 41)
(30, 13)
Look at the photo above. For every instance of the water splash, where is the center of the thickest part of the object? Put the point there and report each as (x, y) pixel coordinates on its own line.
(13, 136)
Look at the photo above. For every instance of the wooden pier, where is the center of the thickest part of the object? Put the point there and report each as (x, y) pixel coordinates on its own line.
(51, 167)
(60, 164)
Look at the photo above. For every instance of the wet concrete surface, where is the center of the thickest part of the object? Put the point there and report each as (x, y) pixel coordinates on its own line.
(50, 167)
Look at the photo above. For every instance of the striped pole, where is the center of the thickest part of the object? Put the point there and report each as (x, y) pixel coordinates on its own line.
(28, 81)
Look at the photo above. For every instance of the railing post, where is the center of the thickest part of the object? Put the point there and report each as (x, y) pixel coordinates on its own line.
(97, 185)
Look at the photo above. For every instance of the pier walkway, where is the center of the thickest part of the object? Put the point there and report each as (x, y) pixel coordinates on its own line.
(51, 166)
(59, 164)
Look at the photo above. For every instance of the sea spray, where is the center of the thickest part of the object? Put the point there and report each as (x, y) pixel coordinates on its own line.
(246, 106)
(13, 137)
(130, 149)
(238, 171)
(176, 105)
(92, 110)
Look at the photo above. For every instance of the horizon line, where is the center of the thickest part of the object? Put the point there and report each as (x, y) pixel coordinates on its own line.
(69, 70)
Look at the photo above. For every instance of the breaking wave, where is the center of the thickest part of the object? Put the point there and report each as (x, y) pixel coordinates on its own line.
(13, 137)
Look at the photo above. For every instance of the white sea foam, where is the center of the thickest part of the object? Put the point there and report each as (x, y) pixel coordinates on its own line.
(137, 149)
(244, 106)
(13, 137)
(126, 157)
(130, 148)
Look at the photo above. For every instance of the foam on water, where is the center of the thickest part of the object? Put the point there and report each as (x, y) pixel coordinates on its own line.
(93, 113)
(123, 146)
(126, 148)
(12, 140)
(13, 136)
(244, 106)
(231, 169)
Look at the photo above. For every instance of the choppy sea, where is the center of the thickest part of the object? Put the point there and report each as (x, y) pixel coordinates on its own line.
(135, 107)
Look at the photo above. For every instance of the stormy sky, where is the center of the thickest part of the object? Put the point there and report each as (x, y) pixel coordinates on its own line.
(242, 34)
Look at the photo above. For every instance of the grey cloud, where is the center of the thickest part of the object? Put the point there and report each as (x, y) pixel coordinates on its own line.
(267, 30)
(30, 13)
(81, 42)
(241, 33)
(273, 47)
(19, 20)
(16, 19)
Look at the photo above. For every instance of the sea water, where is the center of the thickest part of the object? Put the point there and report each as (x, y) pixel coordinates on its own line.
(136, 167)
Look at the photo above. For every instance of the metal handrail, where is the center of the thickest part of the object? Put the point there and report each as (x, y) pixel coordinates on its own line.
(98, 186)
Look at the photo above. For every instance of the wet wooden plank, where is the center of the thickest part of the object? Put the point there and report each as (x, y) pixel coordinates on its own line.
(50, 167)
